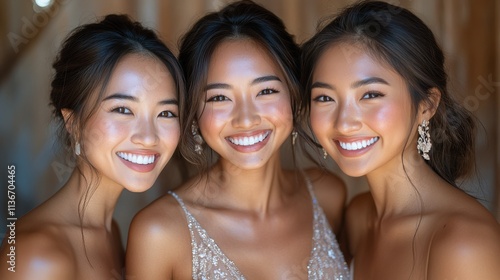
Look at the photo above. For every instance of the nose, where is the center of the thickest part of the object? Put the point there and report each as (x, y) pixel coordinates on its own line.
(145, 133)
(245, 115)
(347, 119)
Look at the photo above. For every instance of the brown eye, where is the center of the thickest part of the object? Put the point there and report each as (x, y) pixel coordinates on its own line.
(217, 98)
(167, 114)
(122, 110)
(372, 94)
(323, 98)
(268, 91)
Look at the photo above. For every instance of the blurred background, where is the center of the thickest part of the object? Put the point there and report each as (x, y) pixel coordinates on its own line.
(31, 33)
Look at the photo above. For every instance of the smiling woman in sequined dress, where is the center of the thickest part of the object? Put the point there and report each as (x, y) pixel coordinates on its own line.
(244, 217)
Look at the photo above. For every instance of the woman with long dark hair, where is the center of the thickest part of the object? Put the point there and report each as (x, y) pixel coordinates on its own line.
(244, 216)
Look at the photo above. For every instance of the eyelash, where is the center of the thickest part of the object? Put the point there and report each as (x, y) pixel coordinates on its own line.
(169, 114)
(373, 94)
(268, 91)
(122, 110)
(220, 98)
(323, 98)
(217, 98)
(126, 111)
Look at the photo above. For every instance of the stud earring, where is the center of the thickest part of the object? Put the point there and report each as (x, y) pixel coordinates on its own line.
(325, 154)
(294, 136)
(424, 144)
(77, 149)
(197, 138)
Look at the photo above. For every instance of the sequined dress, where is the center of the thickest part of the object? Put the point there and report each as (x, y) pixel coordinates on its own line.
(209, 262)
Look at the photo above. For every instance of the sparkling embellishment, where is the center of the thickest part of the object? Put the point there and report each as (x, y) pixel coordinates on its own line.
(209, 262)
(424, 143)
(327, 261)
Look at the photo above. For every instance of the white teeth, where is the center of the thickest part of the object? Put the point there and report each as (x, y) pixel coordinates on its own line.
(357, 145)
(248, 140)
(138, 159)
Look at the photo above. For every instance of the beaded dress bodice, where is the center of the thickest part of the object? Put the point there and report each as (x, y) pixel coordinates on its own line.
(209, 262)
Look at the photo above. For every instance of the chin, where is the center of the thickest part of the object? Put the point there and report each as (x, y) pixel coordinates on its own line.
(354, 174)
(353, 171)
(138, 188)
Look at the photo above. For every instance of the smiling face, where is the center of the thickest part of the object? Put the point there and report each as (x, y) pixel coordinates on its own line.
(361, 111)
(246, 115)
(135, 130)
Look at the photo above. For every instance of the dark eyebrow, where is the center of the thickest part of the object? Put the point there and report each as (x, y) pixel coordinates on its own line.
(371, 80)
(135, 99)
(169, 102)
(256, 81)
(217, 86)
(322, 85)
(121, 96)
(265, 79)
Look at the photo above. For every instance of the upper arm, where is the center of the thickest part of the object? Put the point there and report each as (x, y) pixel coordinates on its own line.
(468, 252)
(156, 243)
(331, 194)
(36, 256)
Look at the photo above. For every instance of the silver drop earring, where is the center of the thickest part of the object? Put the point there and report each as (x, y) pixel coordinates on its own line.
(325, 154)
(294, 136)
(77, 149)
(197, 138)
(424, 143)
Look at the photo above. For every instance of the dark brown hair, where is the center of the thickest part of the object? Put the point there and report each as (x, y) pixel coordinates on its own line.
(399, 38)
(83, 68)
(241, 19)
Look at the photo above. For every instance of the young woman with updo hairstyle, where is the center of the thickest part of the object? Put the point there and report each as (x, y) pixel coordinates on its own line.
(116, 93)
(379, 105)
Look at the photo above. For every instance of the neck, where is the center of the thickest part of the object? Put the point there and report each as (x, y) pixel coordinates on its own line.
(92, 197)
(399, 189)
(257, 190)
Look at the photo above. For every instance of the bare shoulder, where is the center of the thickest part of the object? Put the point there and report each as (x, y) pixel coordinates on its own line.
(41, 253)
(327, 184)
(161, 217)
(465, 246)
(331, 194)
(360, 205)
(158, 241)
(358, 216)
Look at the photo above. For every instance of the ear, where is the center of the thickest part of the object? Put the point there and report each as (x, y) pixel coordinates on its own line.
(68, 119)
(428, 109)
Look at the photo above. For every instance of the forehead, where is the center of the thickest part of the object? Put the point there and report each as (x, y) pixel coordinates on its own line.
(241, 55)
(351, 59)
(141, 72)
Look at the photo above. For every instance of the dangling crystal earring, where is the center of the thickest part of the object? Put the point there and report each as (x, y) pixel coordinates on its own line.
(294, 136)
(77, 149)
(197, 138)
(424, 144)
(325, 154)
